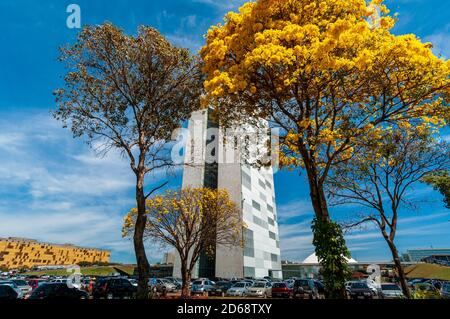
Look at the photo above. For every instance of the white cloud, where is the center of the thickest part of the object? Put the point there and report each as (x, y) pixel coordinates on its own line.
(222, 4)
(294, 209)
(54, 188)
(440, 41)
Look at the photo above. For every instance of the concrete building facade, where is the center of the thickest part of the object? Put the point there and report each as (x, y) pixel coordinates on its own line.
(18, 253)
(212, 160)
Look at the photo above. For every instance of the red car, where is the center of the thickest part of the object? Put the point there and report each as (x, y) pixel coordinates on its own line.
(34, 283)
(281, 290)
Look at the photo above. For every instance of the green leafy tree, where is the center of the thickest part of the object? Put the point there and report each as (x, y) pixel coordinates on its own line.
(441, 182)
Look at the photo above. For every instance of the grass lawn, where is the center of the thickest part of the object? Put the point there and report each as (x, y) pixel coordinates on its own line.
(431, 271)
(87, 271)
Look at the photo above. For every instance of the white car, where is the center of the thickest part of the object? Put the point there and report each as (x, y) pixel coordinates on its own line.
(23, 286)
(239, 289)
(391, 291)
(260, 289)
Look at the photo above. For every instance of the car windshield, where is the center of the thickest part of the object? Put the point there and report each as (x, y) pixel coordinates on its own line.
(390, 287)
(359, 285)
(21, 282)
(259, 285)
(8, 283)
(279, 285)
(239, 285)
(198, 282)
(424, 287)
(302, 283)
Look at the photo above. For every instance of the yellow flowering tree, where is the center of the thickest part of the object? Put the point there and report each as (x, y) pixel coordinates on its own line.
(192, 221)
(325, 73)
(379, 179)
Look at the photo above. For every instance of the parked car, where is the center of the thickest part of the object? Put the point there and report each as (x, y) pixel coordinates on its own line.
(56, 290)
(134, 282)
(8, 293)
(281, 290)
(202, 287)
(176, 281)
(34, 283)
(391, 291)
(22, 285)
(260, 289)
(320, 288)
(305, 289)
(445, 291)
(426, 291)
(14, 286)
(111, 288)
(239, 289)
(162, 285)
(220, 288)
(361, 290)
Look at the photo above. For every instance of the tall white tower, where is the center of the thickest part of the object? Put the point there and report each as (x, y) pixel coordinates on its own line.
(212, 160)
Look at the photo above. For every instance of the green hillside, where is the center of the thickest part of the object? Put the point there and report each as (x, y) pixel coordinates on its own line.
(431, 271)
(87, 271)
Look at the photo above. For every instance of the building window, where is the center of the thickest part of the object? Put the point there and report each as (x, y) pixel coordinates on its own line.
(262, 184)
(249, 252)
(272, 235)
(268, 184)
(256, 205)
(246, 180)
(263, 197)
(274, 257)
(248, 238)
(259, 222)
(271, 221)
(249, 272)
(270, 208)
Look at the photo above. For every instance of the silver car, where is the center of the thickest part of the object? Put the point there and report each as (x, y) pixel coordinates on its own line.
(391, 291)
(260, 289)
(239, 289)
(23, 286)
(202, 287)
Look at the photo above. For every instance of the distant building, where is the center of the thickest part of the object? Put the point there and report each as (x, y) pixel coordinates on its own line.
(443, 260)
(418, 255)
(169, 258)
(310, 267)
(18, 253)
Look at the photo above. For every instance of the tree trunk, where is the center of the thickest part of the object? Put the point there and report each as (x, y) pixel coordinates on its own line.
(143, 265)
(320, 206)
(399, 268)
(186, 278)
(317, 194)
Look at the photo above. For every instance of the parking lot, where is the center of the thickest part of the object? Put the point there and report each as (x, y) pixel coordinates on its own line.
(121, 287)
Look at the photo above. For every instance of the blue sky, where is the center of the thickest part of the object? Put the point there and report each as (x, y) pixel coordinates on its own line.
(54, 188)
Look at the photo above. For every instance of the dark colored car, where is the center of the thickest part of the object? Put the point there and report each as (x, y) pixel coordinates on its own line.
(111, 288)
(220, 288)
(281, 290)
(320, 288)
(55, 290)
(360, 290)
(7, 293)
(305, 289)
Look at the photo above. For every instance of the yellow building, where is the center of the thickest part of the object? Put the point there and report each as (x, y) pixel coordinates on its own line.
(20, 252)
